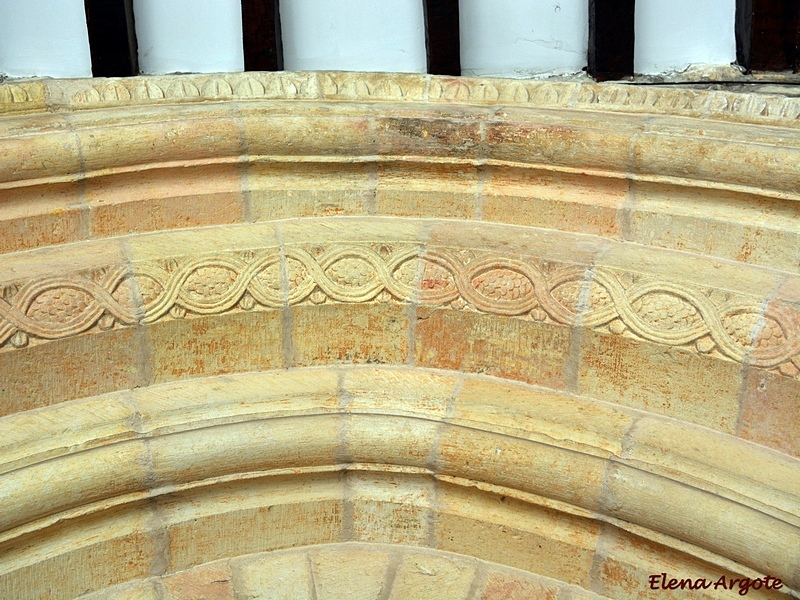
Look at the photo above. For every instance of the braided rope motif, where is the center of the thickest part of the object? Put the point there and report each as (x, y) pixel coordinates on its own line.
(736, 327)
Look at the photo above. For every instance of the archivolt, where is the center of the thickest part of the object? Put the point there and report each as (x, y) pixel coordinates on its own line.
(554, 327)
(400, 455)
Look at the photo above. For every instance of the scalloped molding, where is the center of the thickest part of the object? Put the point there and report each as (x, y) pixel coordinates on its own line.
(333, 86)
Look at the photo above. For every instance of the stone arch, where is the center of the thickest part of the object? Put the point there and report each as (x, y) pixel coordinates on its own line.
(554, 332)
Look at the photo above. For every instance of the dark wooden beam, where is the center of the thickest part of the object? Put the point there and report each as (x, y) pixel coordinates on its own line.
(797, 45)
(261, 34)
(744, 32)
(442, 38)
(112, 37)
(774, 36)
(611, 39)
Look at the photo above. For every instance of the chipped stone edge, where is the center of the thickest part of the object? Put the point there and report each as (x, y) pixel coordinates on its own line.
(47, 95)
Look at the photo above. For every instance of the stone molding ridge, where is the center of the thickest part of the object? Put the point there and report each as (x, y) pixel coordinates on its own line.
(178, 436)
(54, 94)
(704, 321)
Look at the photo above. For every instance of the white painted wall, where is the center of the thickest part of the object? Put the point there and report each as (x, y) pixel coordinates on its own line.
(672, 34)
(44, 37)
(188, 36)
(511, 38)
(520, 38)
(353, 35)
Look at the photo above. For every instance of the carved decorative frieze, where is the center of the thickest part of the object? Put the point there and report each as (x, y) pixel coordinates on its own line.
(736, 327)
(332, 86)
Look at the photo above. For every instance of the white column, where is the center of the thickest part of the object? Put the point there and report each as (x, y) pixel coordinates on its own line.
(673, 34)
(353, 35)
(44, 38)
(189, 36)
(514, 38)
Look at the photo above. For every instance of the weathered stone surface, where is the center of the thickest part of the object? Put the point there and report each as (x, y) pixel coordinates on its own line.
(337, 335)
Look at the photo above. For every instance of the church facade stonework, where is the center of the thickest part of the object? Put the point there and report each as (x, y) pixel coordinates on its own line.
(316, 335)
